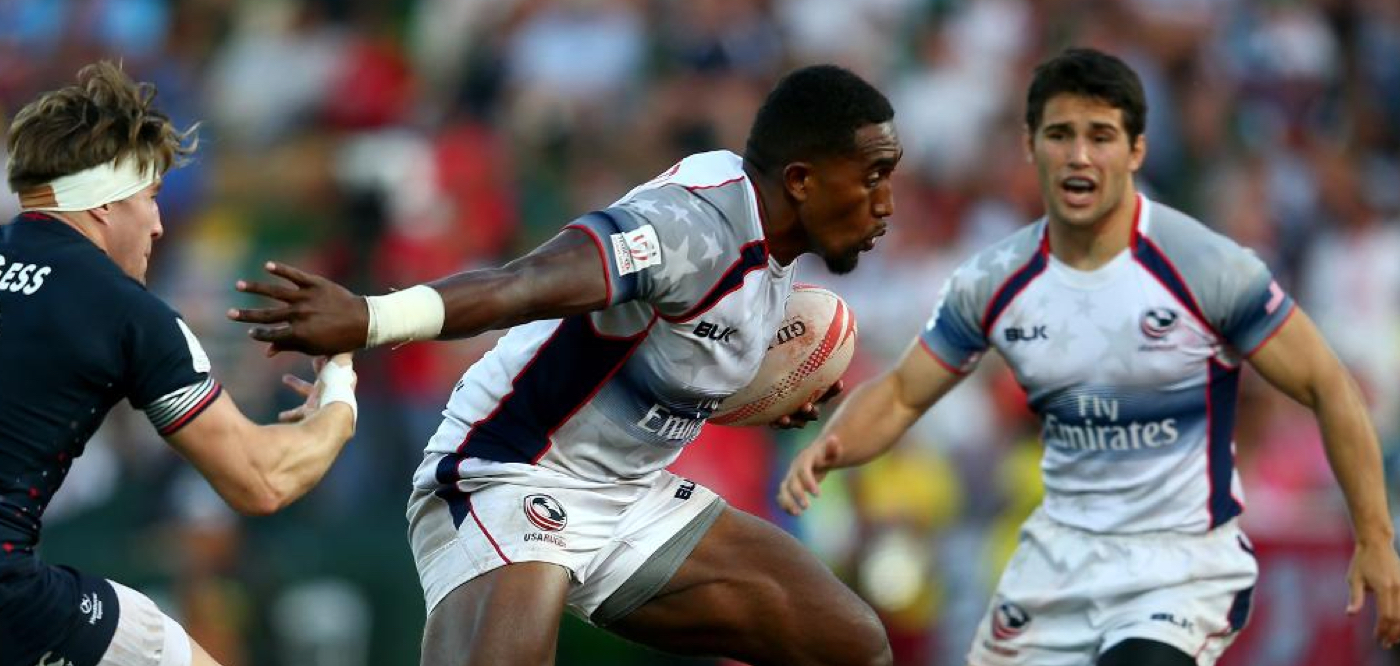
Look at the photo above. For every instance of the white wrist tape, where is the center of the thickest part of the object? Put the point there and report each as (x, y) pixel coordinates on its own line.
(338, 385)
(415, 313)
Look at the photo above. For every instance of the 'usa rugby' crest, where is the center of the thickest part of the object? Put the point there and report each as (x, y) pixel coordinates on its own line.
(546, 513)
(1158, 322)
(1009, 620)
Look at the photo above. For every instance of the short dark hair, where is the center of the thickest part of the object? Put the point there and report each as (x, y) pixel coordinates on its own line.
(1089, 73)
(104, 116)
(813, 112)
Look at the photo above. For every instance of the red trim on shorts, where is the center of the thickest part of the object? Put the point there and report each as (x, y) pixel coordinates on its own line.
(471, 511)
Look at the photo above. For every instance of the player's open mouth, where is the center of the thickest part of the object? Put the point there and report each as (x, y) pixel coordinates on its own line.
(1078, 190)
(869, 243)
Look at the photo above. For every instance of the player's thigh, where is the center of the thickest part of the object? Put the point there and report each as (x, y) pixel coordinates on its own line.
(1144, 652)
(752, 592)
(506, 617)
(145, 636)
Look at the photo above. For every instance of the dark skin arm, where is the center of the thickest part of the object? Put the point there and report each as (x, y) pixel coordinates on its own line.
(560, 278)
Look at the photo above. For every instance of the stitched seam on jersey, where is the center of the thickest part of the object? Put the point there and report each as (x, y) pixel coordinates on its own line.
(549, 436)
(602, 258)
(1212, 366)
(500, 404)
(1292, 308)
(989, 319)
(924, 343)
(692, 188)
(700, 306)
(1146, 245)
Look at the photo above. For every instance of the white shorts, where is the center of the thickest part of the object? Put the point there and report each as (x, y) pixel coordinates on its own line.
(145, 636)
(620, 542)
(1068, 595)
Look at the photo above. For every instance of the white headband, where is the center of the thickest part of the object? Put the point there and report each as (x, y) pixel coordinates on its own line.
(89, 188)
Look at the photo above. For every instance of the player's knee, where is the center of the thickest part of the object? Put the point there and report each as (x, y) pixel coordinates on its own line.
(1144, 652)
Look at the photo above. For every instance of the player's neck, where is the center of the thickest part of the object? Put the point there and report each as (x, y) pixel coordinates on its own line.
(780, 230)
(1087, 247)
(82, 222)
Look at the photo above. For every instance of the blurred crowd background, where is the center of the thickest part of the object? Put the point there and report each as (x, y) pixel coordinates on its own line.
(387, 142)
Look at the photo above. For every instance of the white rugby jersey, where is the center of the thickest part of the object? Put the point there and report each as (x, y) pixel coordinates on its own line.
(614, 394)
(1133, 368)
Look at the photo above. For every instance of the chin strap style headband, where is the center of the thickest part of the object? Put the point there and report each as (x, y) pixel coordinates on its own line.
(89, 188)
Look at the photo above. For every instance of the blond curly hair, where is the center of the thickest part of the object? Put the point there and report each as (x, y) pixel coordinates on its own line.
(105, 116)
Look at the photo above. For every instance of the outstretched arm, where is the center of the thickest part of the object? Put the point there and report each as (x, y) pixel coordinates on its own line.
(259, 469)
(1298, 362)
(316, 316)
(867, 424)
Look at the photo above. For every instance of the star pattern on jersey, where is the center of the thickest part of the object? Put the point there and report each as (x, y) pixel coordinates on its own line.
(1121, 346)
(1083, 306)
(644, 205)
(677, 264)
(693, 203)
(686, 354)
(1059, 344)
(678, 212)
(1004, 256)
(968, 275)
(711, 254)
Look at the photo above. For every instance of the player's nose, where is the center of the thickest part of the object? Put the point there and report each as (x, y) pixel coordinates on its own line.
(1079, 153)
(883, 204)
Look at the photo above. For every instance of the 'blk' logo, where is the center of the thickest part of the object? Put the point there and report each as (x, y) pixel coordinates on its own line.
(707, 330)
(1026, 334)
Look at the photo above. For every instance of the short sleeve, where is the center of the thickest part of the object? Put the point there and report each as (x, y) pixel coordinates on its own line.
(953, 335)
(662, 247)
(167, 373)
(625, 249)
(1249, 306)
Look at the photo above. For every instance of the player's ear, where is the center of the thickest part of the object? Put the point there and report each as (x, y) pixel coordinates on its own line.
(797, 180)
(103, 213)
(1139, 152)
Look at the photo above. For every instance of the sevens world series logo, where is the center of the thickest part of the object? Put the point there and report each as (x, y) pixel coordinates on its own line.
(546, 513)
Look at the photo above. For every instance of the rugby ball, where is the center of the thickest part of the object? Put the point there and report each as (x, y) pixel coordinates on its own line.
(808, 353)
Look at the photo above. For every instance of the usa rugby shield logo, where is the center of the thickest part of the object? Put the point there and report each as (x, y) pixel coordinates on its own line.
(1158, 322)
(545, 512)
(1009, 621)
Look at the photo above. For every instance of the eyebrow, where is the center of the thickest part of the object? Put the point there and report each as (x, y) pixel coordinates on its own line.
(881, 162)
(1093, 126)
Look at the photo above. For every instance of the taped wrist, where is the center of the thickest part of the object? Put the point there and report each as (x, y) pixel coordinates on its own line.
(415, 313)
(338, 385)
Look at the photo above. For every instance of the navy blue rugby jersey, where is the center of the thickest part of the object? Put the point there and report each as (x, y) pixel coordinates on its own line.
(77, 335)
